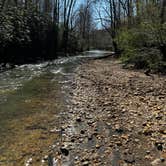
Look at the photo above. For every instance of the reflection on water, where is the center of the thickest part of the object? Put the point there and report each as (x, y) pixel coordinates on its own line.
(31, 100)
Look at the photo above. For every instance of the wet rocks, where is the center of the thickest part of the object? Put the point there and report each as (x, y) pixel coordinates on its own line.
(78, 119)
(158, 162)
(159, 146)
(64, 151)
(115, 109)
(85, 163)
(82, 132)
(98, 146)
(28, 162)
(52, 161)
(119, 129)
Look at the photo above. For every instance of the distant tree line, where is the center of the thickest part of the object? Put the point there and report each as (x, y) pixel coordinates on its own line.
(137, 29)
(34, 30)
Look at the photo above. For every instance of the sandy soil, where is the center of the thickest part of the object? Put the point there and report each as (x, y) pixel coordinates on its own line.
(117, 117)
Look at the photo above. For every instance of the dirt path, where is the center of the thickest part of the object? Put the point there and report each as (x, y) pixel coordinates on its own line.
(117, 117)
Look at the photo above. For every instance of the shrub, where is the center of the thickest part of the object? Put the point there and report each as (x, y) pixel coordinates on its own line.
(24, 35)
(144, 58)
(142, 46)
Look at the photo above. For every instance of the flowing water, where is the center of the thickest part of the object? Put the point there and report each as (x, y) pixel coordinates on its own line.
(32, 97)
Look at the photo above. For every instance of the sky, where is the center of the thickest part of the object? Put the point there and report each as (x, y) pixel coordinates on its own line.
(95, 15)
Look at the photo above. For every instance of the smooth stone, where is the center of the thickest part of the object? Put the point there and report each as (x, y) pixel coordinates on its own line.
(64, 151)
(82, 132)
(78, 119)
(159, 146)
(85, 163)
(156, 162)
(147, 152)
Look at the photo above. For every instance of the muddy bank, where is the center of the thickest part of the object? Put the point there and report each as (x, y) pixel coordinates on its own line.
(116, 117)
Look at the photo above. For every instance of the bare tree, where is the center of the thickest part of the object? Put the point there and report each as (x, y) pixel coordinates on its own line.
(56, 11)
(68, 6)
(109, 14)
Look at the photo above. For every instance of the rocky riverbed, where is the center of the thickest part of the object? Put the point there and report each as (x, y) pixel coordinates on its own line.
(116, 117)
(92, 114)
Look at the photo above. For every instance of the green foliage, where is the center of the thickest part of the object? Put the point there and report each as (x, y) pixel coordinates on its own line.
(131, 38)
(141, 45)
(144, 58)
(24, 32)
(18, 25)
(156, 33)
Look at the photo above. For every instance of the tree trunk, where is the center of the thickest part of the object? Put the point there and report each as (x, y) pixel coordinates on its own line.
(163, 51)
(163, 10)
(138, 10)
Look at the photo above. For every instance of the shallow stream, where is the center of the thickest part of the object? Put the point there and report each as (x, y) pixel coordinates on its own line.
(32, 97)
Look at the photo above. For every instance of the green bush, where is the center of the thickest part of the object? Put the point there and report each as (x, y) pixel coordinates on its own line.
(141, 46)
(144, 58)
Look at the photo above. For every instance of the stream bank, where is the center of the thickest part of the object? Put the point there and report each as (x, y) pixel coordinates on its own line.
(117, 117)
(33, 102)
(69, 112)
